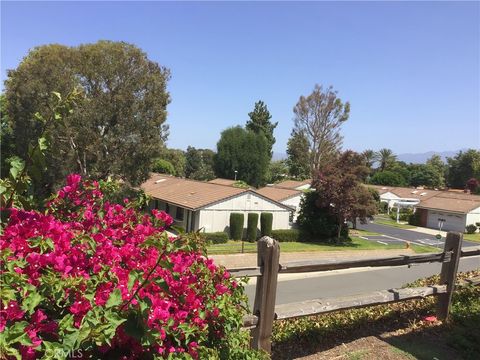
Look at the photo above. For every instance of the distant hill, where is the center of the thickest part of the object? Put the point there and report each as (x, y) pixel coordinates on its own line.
(416, 158)
(421, 158)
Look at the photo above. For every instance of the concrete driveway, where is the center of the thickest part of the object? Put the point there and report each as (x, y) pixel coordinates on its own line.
(390, 234)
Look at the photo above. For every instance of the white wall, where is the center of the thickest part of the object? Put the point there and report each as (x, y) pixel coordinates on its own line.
(473, 216)
(294, 202)
(453, 221)
(216, 217)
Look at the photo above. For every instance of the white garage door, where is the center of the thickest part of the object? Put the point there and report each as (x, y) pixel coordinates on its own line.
(453, 222)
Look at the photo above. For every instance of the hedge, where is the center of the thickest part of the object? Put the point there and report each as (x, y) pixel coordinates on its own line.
(266, 221)
(236, 226)
(220, 237)
(287, 235)
(471, 229)
(252, 224)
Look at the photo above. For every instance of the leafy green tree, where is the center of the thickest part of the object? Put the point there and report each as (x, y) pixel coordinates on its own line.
(242, 151)
(462, 167)
(426, 175)
(119, 121)
(319, 116)
(260, 123)
(7, 139)
(176, 157)
(388, 178)
(199, 164)
(340, 190)
(163, 167)
(277, 171)
(385, 158)
(298, 160)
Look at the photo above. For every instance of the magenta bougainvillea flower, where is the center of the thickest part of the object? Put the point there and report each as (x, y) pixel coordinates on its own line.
(104, 280)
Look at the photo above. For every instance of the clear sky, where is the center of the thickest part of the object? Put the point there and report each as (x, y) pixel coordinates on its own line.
(410, 70)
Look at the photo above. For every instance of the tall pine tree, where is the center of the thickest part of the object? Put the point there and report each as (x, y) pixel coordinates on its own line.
(260, 123)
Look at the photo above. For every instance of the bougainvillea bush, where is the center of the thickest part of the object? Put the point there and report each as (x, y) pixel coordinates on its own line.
(89, 279)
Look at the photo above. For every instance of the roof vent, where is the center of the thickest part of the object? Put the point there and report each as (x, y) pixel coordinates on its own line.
(414, 191)
(159, 181)
(384, 188)
(423, 194)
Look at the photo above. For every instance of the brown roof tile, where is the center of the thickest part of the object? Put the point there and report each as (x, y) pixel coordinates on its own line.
(220, 181)
(277, 194)
(292, 184)
(450, 204)
(186, 193)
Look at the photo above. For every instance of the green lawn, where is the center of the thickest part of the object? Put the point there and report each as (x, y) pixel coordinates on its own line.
(384, 220)
(472, 237)
(234, 247)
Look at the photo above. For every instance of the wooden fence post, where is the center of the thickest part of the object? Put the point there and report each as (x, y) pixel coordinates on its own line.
(268, 258)
(453, 244)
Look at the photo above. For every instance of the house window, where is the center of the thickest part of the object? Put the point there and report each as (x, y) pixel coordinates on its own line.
(167, 208)
(179, 214)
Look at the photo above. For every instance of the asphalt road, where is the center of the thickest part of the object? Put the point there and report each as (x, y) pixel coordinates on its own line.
(299, 287)
(392, 234)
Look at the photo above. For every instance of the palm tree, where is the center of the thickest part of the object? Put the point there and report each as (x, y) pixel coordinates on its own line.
(385, 157)
(370, 157)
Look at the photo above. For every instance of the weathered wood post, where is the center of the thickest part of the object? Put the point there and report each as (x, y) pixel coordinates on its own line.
(268, 258)
(448, 274)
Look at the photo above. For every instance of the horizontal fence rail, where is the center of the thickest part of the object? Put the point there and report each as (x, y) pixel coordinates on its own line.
(265, 311)
(326, 305)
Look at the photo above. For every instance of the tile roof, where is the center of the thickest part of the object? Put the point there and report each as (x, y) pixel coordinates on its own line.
(186, 193)
(278, 194)
(292, 184)
(220, 181)
(452, 201)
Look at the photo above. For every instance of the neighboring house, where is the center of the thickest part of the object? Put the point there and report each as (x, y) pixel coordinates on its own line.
(452, 210)
(289, 197)
(294, 184)
(198, 205)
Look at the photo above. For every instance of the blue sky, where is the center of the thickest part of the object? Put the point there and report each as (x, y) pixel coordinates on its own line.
(410, 70)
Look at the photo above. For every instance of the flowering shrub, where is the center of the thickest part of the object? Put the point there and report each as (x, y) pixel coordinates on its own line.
(91, 279)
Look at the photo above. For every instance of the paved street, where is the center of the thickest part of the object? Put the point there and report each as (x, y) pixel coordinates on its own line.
(394, 235)
(298, 287)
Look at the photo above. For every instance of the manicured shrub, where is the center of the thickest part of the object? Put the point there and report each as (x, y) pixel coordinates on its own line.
(220, 237)
(317, 222)
(236, 226)
(266, 222)
(288, 235)
(105, 281)
(403, 216)
(414, 219)
(252, 227)
(471, 229)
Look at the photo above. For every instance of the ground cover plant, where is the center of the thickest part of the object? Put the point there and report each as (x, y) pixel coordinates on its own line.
(410, 328)
(99, 280)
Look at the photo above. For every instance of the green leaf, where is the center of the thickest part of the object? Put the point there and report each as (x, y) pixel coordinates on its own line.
(43, 143)
(114, 299)
(31, 302)
(57, 95)
(16, 166)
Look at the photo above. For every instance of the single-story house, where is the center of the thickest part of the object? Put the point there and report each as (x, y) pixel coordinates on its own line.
(289, 197)
(198, 205)
(452, 211)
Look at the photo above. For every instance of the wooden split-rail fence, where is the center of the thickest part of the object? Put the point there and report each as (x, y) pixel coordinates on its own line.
(265, 312)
